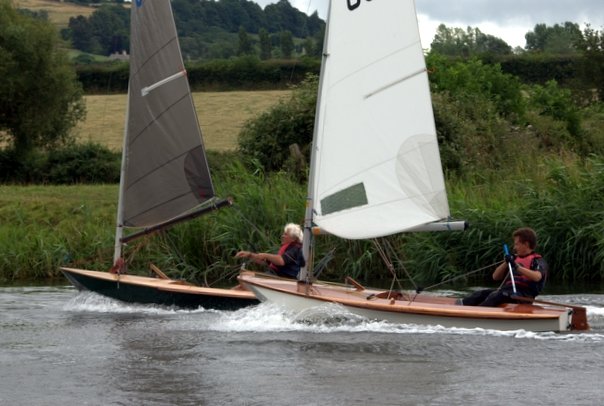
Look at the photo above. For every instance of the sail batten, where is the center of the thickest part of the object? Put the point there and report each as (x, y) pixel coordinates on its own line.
(148, 89)
(396, 82)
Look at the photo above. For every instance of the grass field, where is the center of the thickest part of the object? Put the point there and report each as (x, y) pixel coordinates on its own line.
(221, 116)
(58, 12)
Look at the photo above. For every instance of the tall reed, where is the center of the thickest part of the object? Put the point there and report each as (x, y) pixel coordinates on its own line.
(44, 227)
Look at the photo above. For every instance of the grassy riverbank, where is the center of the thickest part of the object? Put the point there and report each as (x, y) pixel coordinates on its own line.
(44, 227)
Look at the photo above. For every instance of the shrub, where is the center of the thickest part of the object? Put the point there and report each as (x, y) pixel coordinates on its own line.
(472, 78)
(77, 163)
(268, 137)
(83, 163)
(556, 102)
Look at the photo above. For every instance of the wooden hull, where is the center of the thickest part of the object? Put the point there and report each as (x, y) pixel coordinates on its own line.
(410, 308)
(166, 292)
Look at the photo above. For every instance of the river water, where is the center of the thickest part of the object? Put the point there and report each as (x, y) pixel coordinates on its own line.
(62, 347)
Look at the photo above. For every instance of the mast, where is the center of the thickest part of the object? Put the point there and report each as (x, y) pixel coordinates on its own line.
(307, 240)
(119, 226)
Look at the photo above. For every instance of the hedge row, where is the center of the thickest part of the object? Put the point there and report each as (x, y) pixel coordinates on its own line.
(540, 68)
(252, 73)
(222, 74)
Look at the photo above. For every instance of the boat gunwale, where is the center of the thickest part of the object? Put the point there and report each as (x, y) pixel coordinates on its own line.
(168, 285)
(506, 312)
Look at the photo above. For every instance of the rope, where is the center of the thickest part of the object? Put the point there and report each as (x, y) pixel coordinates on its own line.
(389, 264)
(460, 276)
(418, 290)
(229, 274)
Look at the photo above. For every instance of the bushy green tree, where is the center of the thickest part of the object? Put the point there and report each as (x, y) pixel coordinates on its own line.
(471, 42)
(557, 39)
(286, 42)
(107, 30)
(267, 138)
(309, 46)
(282, 16)
(265, 45)
(473, 77)
(245, 44)
(319, 40)
(40, 97)
(591, 45)
(554, 101)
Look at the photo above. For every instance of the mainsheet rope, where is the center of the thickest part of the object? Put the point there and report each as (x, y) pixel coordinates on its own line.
(395, 279)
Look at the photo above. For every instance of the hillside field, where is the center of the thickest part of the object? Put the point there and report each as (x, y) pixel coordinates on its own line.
(221, 116)
(59, 12)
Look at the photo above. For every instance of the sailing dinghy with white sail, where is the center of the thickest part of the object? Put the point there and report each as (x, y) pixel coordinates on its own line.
(165, 177)
(376, 171)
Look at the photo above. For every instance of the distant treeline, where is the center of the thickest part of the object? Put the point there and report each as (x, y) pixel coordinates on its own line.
(206, 29)
(252, 73)
(237, 73)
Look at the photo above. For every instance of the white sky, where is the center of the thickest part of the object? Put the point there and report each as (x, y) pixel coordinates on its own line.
(509, 20)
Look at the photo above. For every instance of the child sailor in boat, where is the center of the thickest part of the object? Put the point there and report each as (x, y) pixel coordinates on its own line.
(288, 261)
(529, 271)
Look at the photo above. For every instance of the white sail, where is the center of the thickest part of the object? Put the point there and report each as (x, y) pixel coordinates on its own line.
(376, 165)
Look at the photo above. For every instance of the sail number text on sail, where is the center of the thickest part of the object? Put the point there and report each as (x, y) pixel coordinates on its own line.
(353, 4)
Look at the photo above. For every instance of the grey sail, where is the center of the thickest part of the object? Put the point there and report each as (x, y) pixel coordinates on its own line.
(165, 172)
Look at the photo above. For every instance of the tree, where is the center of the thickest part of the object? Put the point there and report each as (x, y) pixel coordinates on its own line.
(309, 46)
(554, 101)
(265, 45)
(40, 97)
(104, 32)
(287, 44)
(558, 39)
(591, 45)
(472, 42)
(319, 39)
(245, 45)
(267, 138)
(282, 16)
(476, 78)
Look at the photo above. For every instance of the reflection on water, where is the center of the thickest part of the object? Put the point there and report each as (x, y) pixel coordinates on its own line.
(60, 347)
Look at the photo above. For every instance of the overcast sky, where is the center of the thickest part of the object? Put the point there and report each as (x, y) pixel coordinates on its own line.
(506, 19)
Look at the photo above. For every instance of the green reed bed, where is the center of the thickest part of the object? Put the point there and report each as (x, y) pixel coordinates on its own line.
(45, 227)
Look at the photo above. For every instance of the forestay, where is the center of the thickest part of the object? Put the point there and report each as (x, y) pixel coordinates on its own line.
(165, 172)
(376, 165)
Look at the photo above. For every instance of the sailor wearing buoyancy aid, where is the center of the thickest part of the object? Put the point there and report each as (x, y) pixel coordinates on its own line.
(288, 261)
(529, 270)
(525, 286)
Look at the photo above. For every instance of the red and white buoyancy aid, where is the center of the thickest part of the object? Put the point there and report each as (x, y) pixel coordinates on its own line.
(524, 284)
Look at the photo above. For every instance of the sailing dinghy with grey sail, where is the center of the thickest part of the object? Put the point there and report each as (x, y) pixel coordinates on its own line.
(165, 178)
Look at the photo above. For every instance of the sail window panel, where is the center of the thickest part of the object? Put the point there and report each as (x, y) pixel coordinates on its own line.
(367, 222)
(348, 198)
